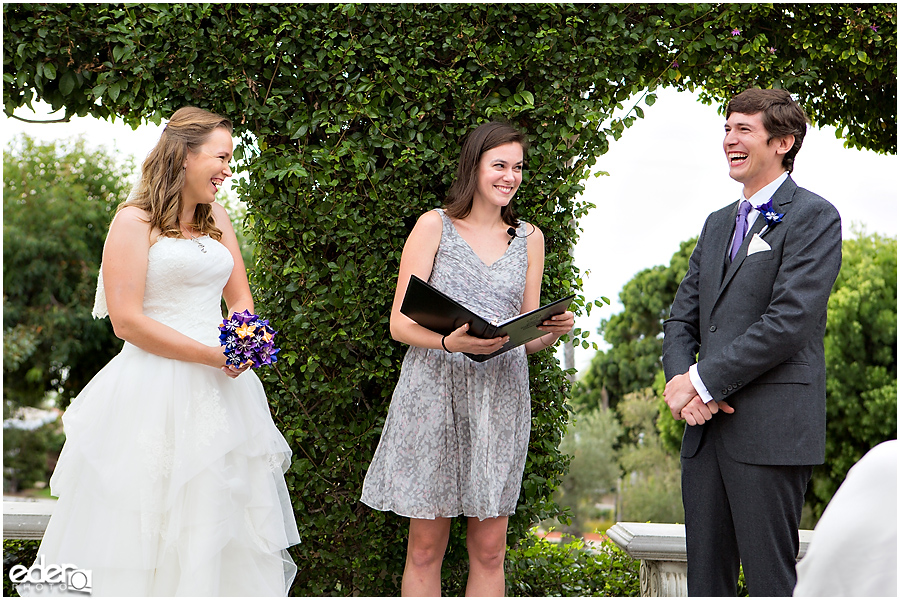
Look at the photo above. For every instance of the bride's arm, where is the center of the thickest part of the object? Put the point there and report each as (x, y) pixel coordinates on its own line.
(237, 291)
(124, 275)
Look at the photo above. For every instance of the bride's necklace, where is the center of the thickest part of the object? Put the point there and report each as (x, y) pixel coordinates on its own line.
(195, 239)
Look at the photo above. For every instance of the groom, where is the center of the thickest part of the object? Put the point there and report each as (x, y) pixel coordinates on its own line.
(753, 305)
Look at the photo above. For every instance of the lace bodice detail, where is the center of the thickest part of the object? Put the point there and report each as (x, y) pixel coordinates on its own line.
(184, 286)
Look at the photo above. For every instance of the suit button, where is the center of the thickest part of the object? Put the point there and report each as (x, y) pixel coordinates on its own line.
(724, 392)
(712, 327)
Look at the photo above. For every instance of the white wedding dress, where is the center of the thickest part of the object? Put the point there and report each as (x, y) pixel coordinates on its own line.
(171, 480)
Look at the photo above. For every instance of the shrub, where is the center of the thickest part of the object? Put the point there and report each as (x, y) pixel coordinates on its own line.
(17, 552)
(539, 567)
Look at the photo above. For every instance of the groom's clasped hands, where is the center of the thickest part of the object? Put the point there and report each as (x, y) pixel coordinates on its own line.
(684, 402)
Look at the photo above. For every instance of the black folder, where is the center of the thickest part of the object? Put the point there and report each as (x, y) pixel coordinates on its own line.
(438, 312)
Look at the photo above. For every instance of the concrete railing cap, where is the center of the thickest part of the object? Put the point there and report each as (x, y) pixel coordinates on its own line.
(665, 541)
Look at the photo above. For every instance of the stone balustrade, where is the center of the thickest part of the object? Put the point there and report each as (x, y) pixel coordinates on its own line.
(26, 520)
(659, 546)
(661, 549)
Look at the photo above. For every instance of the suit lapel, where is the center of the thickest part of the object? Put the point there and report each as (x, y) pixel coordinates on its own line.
(780, 203)
(721, 242)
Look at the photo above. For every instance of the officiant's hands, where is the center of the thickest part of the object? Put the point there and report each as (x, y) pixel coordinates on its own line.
(461, 341)
(560, 324)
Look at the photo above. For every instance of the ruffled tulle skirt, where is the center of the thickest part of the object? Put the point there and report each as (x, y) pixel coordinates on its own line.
(171, 483)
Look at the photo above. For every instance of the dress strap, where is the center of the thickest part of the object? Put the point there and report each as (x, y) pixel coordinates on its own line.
(100, 310)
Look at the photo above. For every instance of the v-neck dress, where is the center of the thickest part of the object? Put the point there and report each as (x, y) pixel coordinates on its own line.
(456, 434)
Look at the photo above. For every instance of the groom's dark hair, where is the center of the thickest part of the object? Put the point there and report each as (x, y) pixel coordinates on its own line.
(781, 116)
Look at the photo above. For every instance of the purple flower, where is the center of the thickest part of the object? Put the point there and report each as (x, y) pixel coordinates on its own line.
(873, 27)
(228, 340)
(735, 32)
(267, 356)
(771, 50)
(769, 213)
(675, 64)
(243, 318)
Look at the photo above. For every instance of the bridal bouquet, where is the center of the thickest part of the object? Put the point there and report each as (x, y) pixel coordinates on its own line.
(248, 339)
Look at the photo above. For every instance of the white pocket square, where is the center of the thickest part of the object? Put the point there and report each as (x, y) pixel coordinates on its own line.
(757, 244)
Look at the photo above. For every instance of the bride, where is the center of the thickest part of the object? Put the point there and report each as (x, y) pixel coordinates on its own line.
(171, 480)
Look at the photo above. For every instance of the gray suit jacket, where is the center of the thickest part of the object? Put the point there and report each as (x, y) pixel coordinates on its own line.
(758, 325)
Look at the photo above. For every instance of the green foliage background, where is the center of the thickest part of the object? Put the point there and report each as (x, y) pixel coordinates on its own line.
(634, 335)
(350, 117)
(860, 355)
(57, 205)
(591, 441)
(860, 360)
(540, 568)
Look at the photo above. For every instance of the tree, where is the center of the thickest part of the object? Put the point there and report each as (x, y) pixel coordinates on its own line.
(635, 334)
(57, 205)
(350, 117)
(29, 455)
(860, 353)
(820, 52)
(590, 441)
(651, 488)
(861, 366)
(860, 359)
(839, 59)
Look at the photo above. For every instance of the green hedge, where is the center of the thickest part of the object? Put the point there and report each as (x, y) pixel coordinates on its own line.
(534, 567)
(332, 197)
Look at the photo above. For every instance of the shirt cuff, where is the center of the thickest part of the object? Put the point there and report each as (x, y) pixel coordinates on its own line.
(698, 385)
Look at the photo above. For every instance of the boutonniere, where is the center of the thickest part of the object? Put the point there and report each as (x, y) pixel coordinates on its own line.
(772, 217)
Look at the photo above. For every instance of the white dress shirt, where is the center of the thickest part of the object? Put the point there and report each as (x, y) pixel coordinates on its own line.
(756, 200)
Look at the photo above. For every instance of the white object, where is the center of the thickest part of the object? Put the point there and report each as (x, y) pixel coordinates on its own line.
(854, 547)
(757, 244)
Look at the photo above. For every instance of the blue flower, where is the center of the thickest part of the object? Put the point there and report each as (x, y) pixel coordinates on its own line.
(769, 213)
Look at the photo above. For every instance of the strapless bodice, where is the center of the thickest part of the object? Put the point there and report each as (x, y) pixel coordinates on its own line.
(184, 285)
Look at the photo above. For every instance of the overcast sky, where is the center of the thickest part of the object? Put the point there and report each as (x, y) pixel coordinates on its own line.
(666, 174)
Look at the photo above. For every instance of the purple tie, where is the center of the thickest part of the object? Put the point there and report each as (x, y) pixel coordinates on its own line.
(740, 227)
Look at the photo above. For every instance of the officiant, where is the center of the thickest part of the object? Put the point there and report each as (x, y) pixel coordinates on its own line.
(456, 434)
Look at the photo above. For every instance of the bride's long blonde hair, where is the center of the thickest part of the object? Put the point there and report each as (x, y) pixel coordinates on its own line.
(158, 192)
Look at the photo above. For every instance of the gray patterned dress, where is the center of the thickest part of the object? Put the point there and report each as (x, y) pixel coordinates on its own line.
(456, 434)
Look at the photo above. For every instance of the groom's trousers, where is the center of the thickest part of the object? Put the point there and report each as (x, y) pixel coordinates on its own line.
(738, 513)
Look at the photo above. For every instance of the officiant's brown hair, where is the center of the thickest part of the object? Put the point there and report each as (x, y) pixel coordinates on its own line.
(483, 138)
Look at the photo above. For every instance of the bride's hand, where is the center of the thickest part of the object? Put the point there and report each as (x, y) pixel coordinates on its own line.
(234, 371)
(219, 360)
